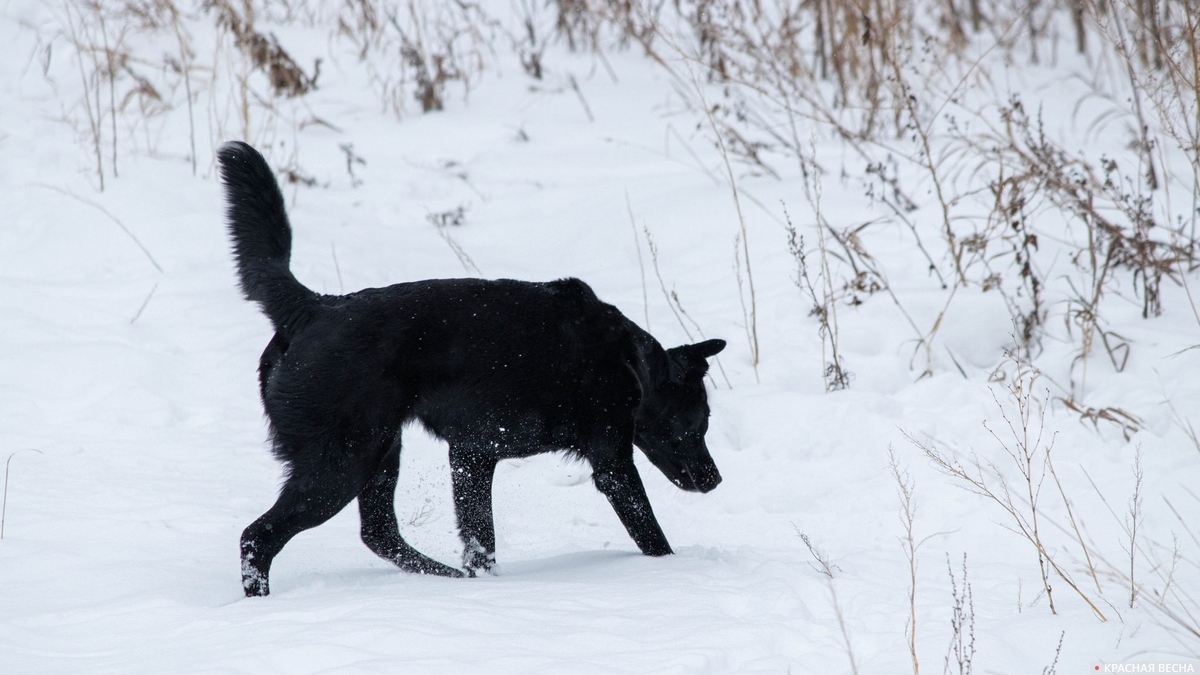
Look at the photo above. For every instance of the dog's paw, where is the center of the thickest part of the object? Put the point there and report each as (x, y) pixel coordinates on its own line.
(254, 580)
(657, 549)
(420, 564)
(255, 586)
(476, 557)
(437, 569)
(488, 566)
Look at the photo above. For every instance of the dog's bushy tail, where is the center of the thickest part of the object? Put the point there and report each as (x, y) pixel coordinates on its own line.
(262, 238)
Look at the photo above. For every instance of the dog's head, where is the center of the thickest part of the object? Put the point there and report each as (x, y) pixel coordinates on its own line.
(673, 418)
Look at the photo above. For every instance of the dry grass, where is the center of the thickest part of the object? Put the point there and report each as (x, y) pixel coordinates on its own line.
(889, 80)
(1019, 496)
(220, 66)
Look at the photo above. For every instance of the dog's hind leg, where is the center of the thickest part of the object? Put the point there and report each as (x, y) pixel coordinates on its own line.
(307, 499)
(472, 471)
(381, 532)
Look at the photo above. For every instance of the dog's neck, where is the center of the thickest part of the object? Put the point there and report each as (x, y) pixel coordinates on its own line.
(651, 364)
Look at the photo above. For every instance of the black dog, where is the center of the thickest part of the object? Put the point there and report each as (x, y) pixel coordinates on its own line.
(498, 369)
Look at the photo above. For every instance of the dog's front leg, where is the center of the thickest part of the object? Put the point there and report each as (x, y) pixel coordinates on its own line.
(622, 485)
(472, 469)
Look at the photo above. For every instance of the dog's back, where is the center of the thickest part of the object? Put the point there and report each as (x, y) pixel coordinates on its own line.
(474, 360)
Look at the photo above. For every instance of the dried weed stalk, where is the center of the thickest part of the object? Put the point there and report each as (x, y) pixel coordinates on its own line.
(834, 375)
(264, 52)
(443, 221)
(908, 513)
(826, 568)
(961, 653)
(1029, 456)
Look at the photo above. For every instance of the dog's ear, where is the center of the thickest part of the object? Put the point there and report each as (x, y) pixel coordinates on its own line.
(694, 358)
(706, 349)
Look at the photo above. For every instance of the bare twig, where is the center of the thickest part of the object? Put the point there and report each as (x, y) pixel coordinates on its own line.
(826, 568)
(1135, 520)
(145, 302)
(442, 222)
(4, 501)
(579, 93)
(908, 510)
(336, 267)
(837, 610)
(991, 484)
(961, 652)
(1071, 517)
(129, 233)
(641, 264)
(822, 565)
(93, 117)
(752, 322)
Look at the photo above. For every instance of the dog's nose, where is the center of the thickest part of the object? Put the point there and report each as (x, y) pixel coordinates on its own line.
(712, 480)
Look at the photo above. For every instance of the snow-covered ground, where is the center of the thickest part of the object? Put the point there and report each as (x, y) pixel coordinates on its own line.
(127, 361)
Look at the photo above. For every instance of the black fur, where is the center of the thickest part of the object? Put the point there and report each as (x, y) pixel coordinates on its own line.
(498, 369)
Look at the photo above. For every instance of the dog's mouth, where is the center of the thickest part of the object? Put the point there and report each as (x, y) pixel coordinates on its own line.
(698, 475)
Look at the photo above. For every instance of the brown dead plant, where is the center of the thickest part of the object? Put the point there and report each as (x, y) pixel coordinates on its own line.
(1019, 498)
(265, 53)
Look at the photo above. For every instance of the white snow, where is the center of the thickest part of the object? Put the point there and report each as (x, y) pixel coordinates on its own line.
(127, 359)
